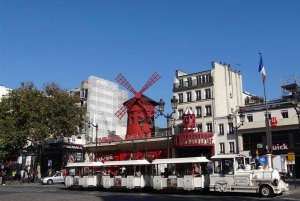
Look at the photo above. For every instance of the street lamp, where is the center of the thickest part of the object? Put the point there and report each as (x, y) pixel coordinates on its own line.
(296, 103)
(161, 108)
(230, 121)
(141, 123)
(96, 126)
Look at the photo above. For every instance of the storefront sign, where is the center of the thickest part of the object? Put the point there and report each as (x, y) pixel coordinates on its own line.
(135, 137)
(109, 139)
(273, 121)
(118, 139)
(282, 146)
(72, 147)
(78, 156)
(291, 156)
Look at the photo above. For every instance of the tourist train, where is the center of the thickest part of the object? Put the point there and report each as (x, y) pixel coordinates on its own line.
(222, 173)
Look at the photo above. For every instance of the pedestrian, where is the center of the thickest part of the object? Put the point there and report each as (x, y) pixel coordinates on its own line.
(3, 174)
(22, 176)
(25, 176)
(13, 175)
(29, 176)
(35, 176)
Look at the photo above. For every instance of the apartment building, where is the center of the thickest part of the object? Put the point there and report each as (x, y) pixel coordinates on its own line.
(212, 95)
(4, 91)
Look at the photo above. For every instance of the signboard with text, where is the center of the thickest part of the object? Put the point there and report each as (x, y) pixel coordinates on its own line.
(291, 156)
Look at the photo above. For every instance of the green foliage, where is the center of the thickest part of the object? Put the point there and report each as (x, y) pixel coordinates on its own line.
(33, 115)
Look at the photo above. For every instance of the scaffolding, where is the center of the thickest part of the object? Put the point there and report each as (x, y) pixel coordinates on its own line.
(289, 84)
(104, 99)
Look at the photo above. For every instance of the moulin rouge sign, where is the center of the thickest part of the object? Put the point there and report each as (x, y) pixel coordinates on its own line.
(118, 139)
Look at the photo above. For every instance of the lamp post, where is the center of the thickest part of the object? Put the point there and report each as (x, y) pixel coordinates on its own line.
(141, 123)
(296, 103)
(230, 121)
(161, 108)
(96, 126)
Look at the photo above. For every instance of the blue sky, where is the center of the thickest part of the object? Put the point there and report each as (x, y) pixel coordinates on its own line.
(66, 41)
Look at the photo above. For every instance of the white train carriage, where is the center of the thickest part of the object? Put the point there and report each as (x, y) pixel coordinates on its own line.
(176, 174)
(123, 175)
(84, 175)
(232, 174)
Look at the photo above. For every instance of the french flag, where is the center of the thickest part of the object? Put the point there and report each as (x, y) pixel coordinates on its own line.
(261, 69)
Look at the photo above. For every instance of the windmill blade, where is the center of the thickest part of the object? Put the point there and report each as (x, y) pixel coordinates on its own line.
(150, 82)
(121, 112)
(122, 80)
(156, 112)
(147, 105)
(145, 111)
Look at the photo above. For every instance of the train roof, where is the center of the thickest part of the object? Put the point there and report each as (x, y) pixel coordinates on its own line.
(181, 160)
(85, 164)
(129, 162)
(224, 156)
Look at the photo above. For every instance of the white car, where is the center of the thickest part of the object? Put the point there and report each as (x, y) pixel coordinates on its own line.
(56, 177)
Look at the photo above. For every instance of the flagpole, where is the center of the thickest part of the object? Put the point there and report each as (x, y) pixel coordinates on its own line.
(268, 129)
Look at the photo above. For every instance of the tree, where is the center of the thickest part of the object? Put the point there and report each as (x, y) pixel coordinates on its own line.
(7, 139)
(35, 115)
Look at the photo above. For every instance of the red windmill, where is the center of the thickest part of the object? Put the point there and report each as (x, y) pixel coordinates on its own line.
(139, 107)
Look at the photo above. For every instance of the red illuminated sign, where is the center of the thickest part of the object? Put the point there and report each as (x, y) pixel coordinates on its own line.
(273, 121)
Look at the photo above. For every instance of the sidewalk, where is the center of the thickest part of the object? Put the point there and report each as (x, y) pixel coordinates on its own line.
(18, 183)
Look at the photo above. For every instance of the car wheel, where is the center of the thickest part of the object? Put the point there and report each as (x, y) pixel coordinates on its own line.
(49, 182)
(266, 191)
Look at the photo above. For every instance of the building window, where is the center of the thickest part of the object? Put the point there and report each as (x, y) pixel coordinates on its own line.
(189, 97)
(230, 128)
(181, 83)
(208, 110)
(189, 81)
(269, 115)
(209, 127)
(284, 114)
(231, 147)
(250, 117)
(221, 129)
(198, 95)
(131, 120)
(198, 79)
(199, 112)
(222, 148)
(180, 113)
(180, 96)
(205, 78)
(180, 129)
(207, 94)
(199, 127)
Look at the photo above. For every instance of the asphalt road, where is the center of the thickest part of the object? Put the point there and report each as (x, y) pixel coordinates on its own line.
(37, 192)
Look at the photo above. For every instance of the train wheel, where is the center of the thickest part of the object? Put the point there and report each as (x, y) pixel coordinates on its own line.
(266, 191)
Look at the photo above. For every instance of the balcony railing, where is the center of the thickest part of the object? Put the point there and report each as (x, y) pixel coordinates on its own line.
(193, 84)
(194, 139)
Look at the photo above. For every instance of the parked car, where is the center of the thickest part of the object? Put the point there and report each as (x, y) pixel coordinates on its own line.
(56, 177)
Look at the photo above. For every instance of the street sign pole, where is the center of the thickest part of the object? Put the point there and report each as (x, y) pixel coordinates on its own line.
(291, 158)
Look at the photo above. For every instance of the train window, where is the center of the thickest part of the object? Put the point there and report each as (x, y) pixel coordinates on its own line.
(228, 166)
(218, 168)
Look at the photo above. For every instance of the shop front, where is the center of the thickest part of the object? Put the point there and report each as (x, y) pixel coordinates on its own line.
(58, 155)
(284, 142)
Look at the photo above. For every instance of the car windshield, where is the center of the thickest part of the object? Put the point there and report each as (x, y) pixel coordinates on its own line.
(54, 173)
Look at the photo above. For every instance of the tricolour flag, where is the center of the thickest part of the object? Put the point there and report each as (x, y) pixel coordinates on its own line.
(261, 69)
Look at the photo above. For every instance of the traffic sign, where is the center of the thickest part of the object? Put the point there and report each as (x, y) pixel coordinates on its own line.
(291, 156)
